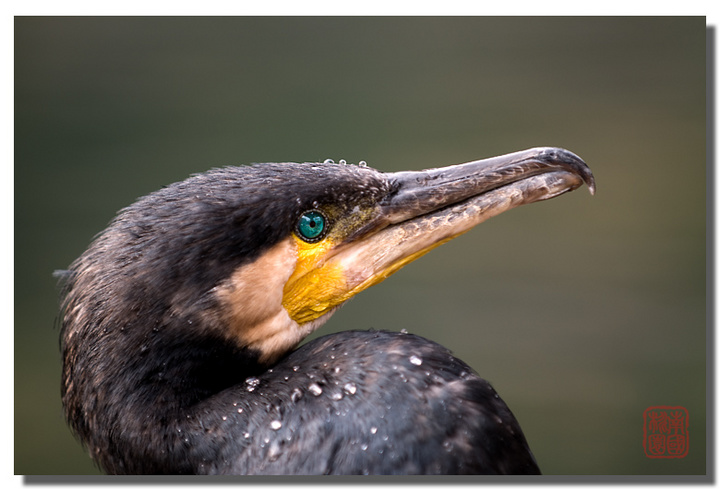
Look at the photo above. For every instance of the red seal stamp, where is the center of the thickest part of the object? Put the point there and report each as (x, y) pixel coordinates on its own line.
(665, 432)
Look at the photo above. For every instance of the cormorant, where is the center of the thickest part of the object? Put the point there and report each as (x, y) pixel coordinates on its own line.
(180, 320)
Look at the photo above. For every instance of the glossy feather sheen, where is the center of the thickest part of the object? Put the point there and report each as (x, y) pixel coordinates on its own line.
(367, 402)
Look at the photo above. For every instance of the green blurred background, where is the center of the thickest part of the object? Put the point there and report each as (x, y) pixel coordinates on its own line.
(582, 311)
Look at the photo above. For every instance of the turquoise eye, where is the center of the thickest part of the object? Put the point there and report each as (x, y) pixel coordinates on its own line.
(311, 226)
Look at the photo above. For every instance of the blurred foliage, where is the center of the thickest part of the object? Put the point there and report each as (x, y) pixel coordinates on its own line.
(582, 311)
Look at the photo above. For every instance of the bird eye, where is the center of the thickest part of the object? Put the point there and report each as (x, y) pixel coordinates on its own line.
(311, 226)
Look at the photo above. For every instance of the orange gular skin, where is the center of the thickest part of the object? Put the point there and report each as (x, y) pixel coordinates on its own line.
(323, 278)
(313, 289)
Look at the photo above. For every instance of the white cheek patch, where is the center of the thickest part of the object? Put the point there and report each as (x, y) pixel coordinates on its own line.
(251, 304)
(280, 334)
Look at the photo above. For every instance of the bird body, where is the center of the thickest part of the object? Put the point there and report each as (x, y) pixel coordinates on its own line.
(349, 403)
(182, 318)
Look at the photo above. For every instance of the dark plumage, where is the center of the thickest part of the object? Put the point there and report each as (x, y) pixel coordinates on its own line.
(374, 402)
(158, 376)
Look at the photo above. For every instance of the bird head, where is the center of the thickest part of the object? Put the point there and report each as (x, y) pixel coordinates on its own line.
(263, 255)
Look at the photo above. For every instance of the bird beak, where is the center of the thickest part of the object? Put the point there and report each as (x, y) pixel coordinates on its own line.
(422, 192)
(428, 208)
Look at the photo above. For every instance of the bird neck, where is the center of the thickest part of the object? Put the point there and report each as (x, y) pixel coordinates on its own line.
(138, 413)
